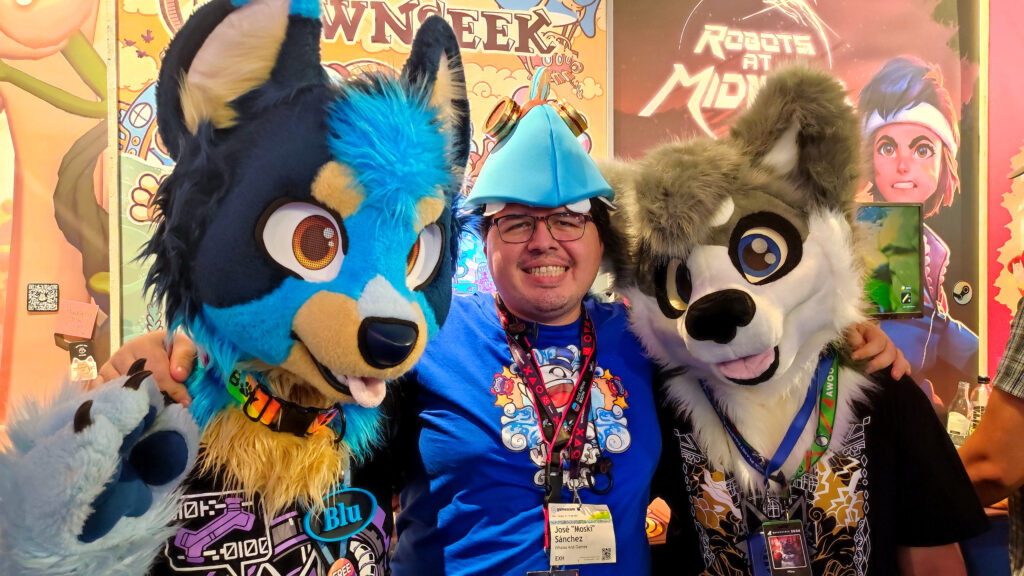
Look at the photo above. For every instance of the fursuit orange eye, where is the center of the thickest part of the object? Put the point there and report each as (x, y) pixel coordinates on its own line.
(414, 254)
(424, 259)
(315, 242)
(305, 239)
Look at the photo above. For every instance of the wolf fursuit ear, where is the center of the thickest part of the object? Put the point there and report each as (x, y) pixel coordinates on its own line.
(801, 125)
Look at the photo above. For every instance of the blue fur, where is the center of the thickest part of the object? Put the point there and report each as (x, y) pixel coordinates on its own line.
(206, 384)
(306, 8)
(390, 140)
(362, 430)
(263, 327)
(209, 395)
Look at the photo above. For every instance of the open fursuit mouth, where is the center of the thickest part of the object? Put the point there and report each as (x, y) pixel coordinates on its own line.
(750, 370)
(365, 390)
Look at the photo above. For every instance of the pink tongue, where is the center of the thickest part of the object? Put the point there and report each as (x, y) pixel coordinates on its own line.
(748, 367)
(367, 392)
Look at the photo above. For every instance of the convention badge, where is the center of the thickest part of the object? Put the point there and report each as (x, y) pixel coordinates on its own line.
(581, 534)
(83, 361)
(787, 552)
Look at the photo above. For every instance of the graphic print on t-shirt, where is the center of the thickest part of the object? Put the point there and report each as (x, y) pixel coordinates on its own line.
(223, 533)
(830, 499)
(607, 426)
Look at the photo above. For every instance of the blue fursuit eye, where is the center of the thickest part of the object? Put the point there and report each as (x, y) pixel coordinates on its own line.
(762, 252)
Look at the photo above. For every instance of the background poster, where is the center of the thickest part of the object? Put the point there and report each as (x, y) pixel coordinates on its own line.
(1005, 157)
(684, 69)
(502, 42)
(53, 201)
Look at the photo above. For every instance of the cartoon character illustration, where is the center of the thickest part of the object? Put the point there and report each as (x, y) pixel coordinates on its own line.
(306, 241)
(568, 17)
(607, 425)
(137, 131)
(565, 13)
(53, 94)
(910, 127)
(563, 63)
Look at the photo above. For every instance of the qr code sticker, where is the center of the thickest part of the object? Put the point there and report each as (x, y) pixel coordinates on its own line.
(43, 297)
(606, 554)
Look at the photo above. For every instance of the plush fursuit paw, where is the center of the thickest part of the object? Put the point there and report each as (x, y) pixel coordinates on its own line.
(89, 482)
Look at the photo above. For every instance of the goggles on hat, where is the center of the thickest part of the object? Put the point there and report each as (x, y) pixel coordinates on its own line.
(507, 113)
(504, 117)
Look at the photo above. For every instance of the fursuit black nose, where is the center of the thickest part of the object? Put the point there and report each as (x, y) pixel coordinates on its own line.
(386, 342)
(717, 316)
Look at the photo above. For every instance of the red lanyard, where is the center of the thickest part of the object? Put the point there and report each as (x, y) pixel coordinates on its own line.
(558, 431)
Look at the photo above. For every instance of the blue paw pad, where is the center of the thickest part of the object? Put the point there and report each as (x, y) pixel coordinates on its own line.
(126, 496)
(160, 457)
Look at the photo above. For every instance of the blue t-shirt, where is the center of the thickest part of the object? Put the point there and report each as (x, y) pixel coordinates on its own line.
(474, 502)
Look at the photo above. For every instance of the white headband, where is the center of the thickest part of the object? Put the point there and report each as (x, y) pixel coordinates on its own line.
(923, 114)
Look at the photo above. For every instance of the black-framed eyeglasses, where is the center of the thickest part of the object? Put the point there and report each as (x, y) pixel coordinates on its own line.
(563, 226)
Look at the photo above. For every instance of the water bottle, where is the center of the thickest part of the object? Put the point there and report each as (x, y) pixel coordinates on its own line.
(979, 399)
(958, 422)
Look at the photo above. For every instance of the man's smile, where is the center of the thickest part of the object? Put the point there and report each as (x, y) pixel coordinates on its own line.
(547, 270)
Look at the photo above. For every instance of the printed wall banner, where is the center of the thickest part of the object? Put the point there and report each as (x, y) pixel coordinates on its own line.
(1005, 159)
(53, 200)
(684, 69)
(502, 41)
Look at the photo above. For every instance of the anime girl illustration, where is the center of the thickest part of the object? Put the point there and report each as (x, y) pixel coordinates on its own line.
(912, 138)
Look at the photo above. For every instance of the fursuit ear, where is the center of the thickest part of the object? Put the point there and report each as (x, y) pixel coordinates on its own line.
(801, 125)
(228, 49)
(435, 65)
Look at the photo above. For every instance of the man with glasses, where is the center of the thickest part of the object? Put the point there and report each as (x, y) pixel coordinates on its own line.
(496, 456)
(527, 432)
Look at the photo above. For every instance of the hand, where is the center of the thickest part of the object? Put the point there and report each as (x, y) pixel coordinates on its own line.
(169, 368)
(869, 342)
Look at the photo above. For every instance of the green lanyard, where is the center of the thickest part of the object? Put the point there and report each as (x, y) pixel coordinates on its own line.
(827, 399)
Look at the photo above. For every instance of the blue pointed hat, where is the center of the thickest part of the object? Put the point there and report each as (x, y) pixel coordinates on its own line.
(541, 163)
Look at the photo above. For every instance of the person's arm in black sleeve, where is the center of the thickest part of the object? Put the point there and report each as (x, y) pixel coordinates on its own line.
(934, 491)
(938, 506)
(681, 553)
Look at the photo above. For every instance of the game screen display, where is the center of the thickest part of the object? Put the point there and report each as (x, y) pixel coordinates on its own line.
(893, 258)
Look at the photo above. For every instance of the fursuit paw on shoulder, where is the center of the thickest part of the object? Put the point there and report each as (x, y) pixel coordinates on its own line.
(89, 482)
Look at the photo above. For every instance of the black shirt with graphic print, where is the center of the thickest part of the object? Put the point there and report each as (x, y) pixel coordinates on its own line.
(223, 533)
(894, 481)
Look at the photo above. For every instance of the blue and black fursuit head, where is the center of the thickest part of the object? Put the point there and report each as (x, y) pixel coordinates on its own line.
(305, 241)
